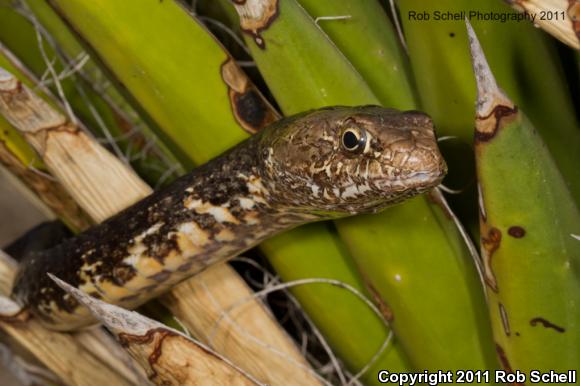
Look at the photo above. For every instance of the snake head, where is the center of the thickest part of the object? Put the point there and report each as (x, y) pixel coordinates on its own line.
(350, 160)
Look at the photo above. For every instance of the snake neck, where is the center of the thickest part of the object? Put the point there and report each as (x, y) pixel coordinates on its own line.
(216, 212)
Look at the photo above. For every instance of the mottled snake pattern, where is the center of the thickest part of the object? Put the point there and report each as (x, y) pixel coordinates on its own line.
(320, 165)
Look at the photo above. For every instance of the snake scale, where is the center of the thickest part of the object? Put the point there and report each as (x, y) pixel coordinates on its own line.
(319, 165)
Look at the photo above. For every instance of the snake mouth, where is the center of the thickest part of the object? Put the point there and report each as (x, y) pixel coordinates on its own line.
(425, 180)
(428, 175)
(418, 181)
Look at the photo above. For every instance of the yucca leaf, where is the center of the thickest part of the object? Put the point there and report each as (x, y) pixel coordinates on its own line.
(307, 54)
(528, 222)
(364, 34)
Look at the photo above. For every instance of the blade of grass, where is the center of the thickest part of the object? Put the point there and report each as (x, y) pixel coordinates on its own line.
(134, 66)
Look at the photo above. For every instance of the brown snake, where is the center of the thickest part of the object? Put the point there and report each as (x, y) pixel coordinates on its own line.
(320, 165)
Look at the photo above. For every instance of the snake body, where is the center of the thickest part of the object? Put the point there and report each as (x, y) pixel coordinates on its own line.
(320, 165)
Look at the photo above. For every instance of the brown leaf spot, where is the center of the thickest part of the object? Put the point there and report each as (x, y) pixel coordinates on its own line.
(256, 16)
(154, 336)
(9, 87)
(547, 324)
(250, 108)
(487, 127)
(380, 302)
(516, 231)
(490, 242)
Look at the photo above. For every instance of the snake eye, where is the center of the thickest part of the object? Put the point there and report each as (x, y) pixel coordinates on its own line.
(354, 140)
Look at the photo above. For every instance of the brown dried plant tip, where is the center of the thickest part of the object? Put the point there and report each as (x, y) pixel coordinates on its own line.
(493, 108)
(560, 18)
(256, 16)
(168, 357)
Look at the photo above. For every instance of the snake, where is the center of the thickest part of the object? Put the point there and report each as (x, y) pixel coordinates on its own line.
(323, 164)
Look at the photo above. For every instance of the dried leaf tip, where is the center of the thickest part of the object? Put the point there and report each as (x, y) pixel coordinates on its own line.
(256, 16)
(27, 112)
(560, 18)
(168, 357)
(492, 103)
(117, 319)
(489, 95)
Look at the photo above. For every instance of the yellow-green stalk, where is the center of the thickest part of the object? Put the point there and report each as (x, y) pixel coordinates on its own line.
(363, 32)
(529, 222)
